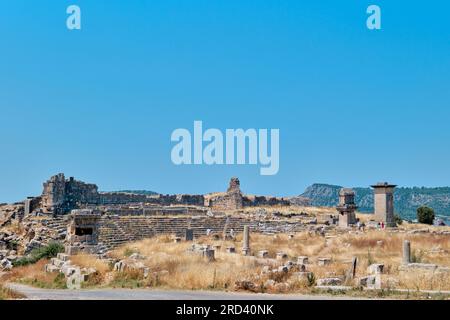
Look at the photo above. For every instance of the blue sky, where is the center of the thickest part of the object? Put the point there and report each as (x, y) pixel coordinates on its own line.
(353, 106)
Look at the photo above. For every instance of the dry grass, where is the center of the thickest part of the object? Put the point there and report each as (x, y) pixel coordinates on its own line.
(8, 294)
(35, 275)
(172, 266)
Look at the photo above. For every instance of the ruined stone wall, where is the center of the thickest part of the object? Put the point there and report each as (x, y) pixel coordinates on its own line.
(60, 195)
(116, 230)
(231, 200)
(149, 211)
(227, 201)
(265, 201)
(179, 199)
(111, 198)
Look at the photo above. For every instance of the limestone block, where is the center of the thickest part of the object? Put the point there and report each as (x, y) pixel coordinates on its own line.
(51, 268)
(263, 254)
(5, 264)
(281, 256)
(376, 268)
(418, 267)
(323, 261)
(329, 282)
(301, 276)
(74, 281)
(301, 267)
(137, 256)
(62, 256)
(371, 282)
(65, 267)
(269, 283)
(231, 250)
(302, 260)
(56, 262)
(283, 269)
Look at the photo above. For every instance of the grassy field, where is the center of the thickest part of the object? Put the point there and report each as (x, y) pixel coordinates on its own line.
(173, 267)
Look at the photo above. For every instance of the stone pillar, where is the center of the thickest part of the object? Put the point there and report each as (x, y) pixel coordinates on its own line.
(209, 254)
(346, 207)
(384, 203)
(246, 247)
(406, 252)
(27, 207)
(352, 271)
(189, 235)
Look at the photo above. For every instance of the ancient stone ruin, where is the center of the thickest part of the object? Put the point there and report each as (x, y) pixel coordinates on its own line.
(346, 207)
(61, 195)
(384, 203)
(233, 199)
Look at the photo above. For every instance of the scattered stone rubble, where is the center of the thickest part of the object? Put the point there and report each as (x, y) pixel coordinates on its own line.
(74, 275)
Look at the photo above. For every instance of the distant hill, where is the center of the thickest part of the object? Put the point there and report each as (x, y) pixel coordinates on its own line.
(145, 192)
(406, 200)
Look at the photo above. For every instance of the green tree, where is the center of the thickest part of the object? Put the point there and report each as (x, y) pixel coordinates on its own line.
(398, 220)
(425, 215)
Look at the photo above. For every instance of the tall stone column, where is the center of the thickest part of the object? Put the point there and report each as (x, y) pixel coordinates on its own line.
(406, 252)
(246, 247)
(384, 203)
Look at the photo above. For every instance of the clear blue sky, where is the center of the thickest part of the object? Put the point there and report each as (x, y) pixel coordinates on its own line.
(353, 106)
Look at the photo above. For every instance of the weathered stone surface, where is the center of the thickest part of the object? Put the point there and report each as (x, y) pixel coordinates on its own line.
(189, 235)
(418, 266)
(301, 276)
(245, 285)
(376, 268)
(5, 264)
(346, 207)
(51, 268)
(281, 256)
(329, 282)
(283, 269)
(302, 260)
(371, 282)
(323, 261)
(231, 250)
(74, 280)
(263, 254)
(63, 257)
(406, 252)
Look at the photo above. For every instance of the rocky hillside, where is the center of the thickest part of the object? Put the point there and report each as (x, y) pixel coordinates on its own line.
(407, 200)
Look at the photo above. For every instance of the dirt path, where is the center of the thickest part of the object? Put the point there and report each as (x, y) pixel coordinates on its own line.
(150, 294)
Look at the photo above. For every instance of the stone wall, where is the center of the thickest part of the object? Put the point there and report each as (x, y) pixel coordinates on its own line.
(60, 195)
(116, 230)
(234, 200)
(231, 200)
(256, 201)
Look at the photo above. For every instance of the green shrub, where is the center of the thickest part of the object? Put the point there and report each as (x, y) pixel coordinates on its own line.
(370, 259)
(398, 220)
(311, 278)
(46, 252)
(425, 215)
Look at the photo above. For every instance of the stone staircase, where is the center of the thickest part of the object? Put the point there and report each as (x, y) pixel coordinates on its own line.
(111, 233)
(116, 230)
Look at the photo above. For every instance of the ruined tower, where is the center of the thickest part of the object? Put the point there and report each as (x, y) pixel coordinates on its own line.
(384, 203)
(346, 207)
(231, 200)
